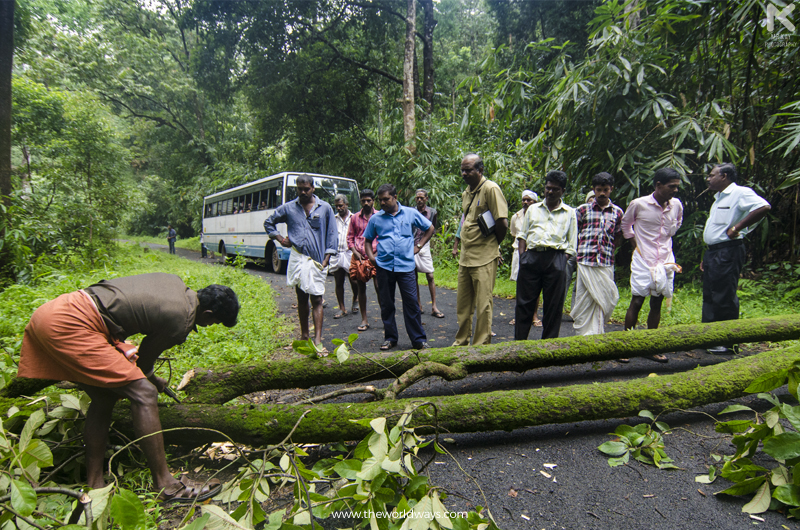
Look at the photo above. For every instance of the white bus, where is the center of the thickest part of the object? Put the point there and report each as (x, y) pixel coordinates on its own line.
(233, 220)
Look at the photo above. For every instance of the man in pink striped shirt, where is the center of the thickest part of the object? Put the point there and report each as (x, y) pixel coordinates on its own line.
(355, 242)
(649, 223)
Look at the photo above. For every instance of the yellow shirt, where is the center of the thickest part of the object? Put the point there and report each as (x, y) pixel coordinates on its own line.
(557, 229)
(477, 250)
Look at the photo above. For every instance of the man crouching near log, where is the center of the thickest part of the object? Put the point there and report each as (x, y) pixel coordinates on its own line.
(79, 337)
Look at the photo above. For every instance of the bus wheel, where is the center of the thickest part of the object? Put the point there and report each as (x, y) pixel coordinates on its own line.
(223, 253)
(275, 262)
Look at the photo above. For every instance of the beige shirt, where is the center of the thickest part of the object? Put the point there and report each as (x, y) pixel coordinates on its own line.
(556, 229)
(477, 250)
(515, 227)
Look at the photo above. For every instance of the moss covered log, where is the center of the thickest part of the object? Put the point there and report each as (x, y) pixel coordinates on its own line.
(20, 386)
(503, 410)
(223, 383)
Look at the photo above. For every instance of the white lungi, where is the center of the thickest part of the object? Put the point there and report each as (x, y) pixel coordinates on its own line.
(652, 281)
(341, 261)
(514, 264)
(596, 296)
(304, 272)
(423, 259)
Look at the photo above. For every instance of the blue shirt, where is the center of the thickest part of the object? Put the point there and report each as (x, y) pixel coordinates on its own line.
(395, 235)
(314, 234)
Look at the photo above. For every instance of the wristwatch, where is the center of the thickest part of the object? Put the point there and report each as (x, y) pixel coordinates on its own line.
(419, 246)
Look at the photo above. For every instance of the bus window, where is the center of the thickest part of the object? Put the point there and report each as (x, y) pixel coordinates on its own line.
(228, 209)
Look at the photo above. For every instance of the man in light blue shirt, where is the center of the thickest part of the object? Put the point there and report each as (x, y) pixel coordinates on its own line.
(313, 237)
(394, 227)
(735, 210)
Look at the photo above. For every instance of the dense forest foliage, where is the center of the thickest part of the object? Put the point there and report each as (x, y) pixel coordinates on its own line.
(126, 113)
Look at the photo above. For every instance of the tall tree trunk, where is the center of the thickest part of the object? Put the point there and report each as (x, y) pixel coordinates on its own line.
(6, 61)
(409, 119)
(260, 425)
(427, 54)
(222, 383)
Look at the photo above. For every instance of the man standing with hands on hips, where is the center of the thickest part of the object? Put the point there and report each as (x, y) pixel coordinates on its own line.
(735, 209)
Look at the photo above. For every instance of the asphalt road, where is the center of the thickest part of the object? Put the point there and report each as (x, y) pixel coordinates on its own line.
(512, 472)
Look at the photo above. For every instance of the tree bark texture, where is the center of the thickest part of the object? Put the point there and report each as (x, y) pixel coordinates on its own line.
(6, 61)
(409, 118)
(260, 425)
(223, 383)
(427, 53)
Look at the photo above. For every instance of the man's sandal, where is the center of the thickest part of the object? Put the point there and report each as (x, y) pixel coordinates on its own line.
(437, 314)
(363, 327)
(340, 314)
(189, 491)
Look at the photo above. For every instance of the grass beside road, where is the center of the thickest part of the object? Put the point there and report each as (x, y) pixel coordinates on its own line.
(260, 331)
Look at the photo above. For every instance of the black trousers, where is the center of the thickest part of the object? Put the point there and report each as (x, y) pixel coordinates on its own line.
(721, 269)
(407, 282)
(542, 272)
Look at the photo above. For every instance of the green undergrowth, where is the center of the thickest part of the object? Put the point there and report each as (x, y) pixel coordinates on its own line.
(192, 243)
(761, 297)
(255, 337)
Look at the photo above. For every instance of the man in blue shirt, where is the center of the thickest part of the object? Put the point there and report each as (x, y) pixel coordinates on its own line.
(394, 227)
(313, 237)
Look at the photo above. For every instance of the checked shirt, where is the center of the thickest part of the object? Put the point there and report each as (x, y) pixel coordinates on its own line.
(597, 229)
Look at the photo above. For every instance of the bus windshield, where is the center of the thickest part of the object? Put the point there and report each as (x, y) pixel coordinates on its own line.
(326, 188)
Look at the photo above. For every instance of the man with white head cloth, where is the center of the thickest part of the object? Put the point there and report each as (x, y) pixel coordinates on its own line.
(515, 226)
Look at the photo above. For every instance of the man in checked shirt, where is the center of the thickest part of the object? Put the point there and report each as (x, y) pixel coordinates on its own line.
(599, 231)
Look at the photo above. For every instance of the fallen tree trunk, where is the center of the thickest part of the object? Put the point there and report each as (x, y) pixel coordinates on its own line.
(220, 384)
(260, 425)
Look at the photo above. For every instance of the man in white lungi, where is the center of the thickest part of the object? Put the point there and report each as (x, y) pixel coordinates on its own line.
(515, 227)
(340, 263)
(599, 230)
(423, 259)
(649, 223)
(313, 238)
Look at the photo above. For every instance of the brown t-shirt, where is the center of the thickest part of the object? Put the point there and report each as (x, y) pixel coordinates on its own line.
(157, 305)
(477, 250)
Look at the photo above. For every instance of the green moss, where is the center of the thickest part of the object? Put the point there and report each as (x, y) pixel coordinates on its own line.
(221, 384)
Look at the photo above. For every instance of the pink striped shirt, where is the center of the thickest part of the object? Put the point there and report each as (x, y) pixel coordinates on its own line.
(653, 227)
(355, 235)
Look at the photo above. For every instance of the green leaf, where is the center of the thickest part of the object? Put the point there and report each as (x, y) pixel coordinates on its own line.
(733, 426)
(378, 425)
(71, 402)
(34, 422)
(780, 476)
(23, 498)
(647, 414)
(784, 446)
(352, 338)
(337, 342)
(614, 462)
(220, 520)
(743, 488)
(200, 523)
(760, 501)
(348, 468)
(736, 408)
(794, 380)
(613, 448)
(663, 427)
(37, 452)
(342, 353)
(788, 494)
(767, 382)
(127, 510)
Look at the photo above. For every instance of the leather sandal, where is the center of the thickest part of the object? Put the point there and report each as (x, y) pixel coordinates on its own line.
(388, 345)
(189, 491)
